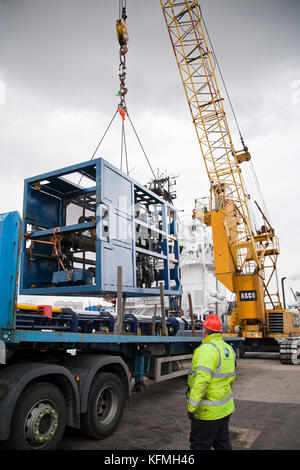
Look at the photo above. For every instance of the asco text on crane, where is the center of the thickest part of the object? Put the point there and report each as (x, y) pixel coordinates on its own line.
(248, 295)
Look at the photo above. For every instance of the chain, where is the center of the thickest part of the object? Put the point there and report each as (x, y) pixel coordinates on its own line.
(122, 75)
(123, 39)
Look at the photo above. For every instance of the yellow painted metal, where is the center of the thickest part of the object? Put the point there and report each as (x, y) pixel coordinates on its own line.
(252, 309)
(243, 157)
(224, 261)
(252, 334)
(234, 320)
(290, 321)
(35, 308)
(122, 32)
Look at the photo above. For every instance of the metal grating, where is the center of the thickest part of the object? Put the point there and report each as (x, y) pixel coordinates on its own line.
(276, 323)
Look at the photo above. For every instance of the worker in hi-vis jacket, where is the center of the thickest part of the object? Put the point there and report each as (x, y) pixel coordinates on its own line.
(209, 389)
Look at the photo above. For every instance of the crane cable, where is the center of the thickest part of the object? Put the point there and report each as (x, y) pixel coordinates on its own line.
(122, 34)
(123, 38)
(252, 170)
(223, 80)
(143, 150)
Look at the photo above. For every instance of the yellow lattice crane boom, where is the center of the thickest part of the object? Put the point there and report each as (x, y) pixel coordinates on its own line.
(245, 255)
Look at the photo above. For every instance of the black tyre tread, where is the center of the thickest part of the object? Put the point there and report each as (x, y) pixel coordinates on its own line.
(88, 426)
(31, 394)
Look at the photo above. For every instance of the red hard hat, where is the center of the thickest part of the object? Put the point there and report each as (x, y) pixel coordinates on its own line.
(213, 323)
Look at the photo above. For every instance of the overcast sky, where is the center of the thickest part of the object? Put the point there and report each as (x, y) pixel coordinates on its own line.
(59, 78)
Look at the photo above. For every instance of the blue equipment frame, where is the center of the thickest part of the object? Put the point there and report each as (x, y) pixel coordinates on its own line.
(112, 201)
(10, 236)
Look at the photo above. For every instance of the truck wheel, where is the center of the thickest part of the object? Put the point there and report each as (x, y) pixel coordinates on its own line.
(39, 418)
(105, 406)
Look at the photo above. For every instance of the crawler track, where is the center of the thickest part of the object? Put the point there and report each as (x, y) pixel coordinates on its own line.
(290, 350)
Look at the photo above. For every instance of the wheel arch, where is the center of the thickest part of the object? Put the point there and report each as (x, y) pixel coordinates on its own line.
(18, 377)
(87, 366)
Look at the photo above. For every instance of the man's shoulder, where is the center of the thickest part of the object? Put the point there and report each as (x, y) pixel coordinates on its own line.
(214, 343)
(207, 347)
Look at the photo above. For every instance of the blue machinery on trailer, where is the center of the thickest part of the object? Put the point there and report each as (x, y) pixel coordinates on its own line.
(75, 237)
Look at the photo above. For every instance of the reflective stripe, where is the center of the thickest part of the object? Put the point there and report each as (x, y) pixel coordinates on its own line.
(217, 374)
(215, 403)
(210, 371)
(193, 402)
(228, 374)
(205, 369)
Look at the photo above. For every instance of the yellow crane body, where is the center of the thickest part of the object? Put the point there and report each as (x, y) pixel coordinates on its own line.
(245, 254)
(249, 288)
(224, 262)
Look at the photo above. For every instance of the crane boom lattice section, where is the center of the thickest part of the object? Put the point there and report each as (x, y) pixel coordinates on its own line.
(196, 66)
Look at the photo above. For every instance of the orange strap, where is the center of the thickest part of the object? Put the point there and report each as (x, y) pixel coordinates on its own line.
(122, 113)
(37, 241)
(55, 243)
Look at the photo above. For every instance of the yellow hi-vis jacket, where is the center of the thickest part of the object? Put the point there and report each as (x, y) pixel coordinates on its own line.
(210, 379)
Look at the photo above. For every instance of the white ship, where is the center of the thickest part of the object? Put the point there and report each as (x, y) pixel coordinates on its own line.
(197, 276)
(198, 271)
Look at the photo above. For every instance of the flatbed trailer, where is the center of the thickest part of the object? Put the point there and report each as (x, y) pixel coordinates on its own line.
(50, 379)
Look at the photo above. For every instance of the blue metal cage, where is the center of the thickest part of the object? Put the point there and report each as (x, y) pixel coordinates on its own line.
(81, 222)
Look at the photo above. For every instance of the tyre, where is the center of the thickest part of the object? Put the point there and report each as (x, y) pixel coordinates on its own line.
(105, 406)
(39, 418)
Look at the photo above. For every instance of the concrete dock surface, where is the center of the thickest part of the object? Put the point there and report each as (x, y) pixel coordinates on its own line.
(267, 416)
